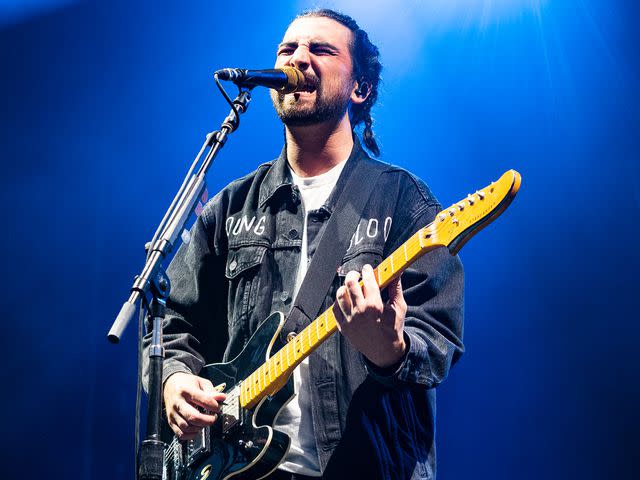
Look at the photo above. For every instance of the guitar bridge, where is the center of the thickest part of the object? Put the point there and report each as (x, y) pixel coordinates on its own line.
(199, 447)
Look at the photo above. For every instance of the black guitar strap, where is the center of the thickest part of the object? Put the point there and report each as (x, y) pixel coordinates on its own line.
(353, 196)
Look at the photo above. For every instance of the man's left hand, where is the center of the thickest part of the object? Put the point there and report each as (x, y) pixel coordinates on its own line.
(373, 327)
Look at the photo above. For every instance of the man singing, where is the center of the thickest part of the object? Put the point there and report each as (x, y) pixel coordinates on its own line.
(365, 400)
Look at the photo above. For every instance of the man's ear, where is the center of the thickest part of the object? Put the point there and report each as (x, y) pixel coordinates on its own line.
(360, 92)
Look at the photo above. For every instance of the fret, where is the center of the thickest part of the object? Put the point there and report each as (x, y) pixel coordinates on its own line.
(391, 263)
(376, 273)
(263, 378)
(417, 247)
(317, 328)
(382, 272)
(309, 336)
(252, 384)
(419, 234)
(255, 381)
(406, 257)
(276, 363)
(296, 347)
(330, 318)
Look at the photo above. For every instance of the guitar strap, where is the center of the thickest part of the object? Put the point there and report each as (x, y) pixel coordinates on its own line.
(352, 198)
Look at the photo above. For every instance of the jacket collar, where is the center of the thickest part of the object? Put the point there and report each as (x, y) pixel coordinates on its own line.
(278, 176)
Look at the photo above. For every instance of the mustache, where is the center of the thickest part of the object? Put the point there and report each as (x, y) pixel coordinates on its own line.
(311, 81)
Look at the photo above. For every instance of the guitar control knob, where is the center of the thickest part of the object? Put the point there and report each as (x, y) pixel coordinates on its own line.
(248, 445)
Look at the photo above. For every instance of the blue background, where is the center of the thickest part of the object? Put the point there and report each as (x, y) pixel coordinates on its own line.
(105, 104)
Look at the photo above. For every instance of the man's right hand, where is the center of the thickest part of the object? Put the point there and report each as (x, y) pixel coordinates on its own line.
(185, 395)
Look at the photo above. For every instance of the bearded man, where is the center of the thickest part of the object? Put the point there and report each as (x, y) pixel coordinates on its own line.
(364, 403)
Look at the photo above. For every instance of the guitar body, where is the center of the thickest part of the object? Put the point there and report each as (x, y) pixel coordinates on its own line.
(243, 447)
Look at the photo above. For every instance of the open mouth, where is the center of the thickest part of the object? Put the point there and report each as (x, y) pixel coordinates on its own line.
(310, 85)
(307, 88)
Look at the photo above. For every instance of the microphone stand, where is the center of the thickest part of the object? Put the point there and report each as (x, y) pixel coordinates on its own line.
(152, 285)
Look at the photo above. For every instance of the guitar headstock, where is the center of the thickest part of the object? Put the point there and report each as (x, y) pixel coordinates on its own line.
(455, 225)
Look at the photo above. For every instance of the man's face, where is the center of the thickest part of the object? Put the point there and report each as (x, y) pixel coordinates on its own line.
(320, 48)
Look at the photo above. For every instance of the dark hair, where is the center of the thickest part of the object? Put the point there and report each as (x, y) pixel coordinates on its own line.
(366, 71)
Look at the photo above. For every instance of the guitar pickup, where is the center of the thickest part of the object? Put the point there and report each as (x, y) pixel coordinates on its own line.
(230, 412)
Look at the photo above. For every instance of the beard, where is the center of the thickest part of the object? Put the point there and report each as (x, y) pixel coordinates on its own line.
(325, 106)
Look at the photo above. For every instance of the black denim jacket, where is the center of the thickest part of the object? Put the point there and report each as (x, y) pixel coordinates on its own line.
(240, 265)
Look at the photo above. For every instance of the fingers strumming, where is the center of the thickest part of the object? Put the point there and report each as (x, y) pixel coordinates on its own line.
(209, 401)
(193, 416)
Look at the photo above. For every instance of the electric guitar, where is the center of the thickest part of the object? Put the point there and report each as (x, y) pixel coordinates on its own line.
(242, 444)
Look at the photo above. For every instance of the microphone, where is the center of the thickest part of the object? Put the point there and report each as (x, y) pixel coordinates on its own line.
(284, 80)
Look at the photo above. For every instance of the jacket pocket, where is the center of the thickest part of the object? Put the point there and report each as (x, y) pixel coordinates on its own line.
(243, 273)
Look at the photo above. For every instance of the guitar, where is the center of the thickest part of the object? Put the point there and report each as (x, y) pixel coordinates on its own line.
(242, 444)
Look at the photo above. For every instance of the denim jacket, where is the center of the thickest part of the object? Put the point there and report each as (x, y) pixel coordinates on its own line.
(240, 265)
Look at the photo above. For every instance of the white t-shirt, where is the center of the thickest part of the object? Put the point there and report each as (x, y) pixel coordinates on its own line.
(295, 418)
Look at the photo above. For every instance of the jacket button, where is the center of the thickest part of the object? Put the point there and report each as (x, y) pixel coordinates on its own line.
(284, 296)
(293, 234)
(233, 265)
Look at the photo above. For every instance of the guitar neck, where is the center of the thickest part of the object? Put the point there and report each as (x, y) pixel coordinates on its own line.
(452, 228)
(272, 374)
